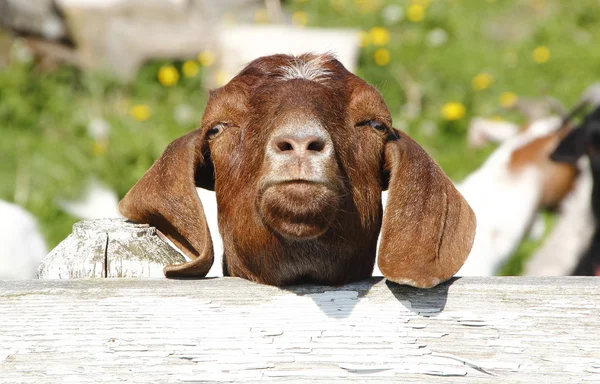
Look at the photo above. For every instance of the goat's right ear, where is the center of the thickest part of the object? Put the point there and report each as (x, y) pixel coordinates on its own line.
(165, 197)
(428, 226)
(572, 147)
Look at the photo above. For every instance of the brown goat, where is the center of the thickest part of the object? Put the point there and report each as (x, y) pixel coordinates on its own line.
(298, 151)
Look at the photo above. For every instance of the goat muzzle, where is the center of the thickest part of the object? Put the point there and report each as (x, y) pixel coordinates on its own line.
(299, 192)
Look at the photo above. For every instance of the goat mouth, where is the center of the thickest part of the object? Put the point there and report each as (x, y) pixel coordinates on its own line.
(298, 209)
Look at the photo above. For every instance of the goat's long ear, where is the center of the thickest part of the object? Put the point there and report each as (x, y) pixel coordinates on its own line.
(165, 197)
(572, 147)
(428, 227)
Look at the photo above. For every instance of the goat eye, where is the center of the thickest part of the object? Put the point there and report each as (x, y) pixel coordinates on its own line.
(378, 125)
(215, 131)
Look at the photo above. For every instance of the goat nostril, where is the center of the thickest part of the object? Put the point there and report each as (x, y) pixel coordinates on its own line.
(284, 146)
(311, 145)
(316, 145)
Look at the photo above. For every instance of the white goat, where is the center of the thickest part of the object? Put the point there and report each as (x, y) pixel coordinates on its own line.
(22, 245)
(97, 202)
(506, 196)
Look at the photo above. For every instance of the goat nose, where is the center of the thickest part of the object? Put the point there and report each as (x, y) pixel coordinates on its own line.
(299, 145)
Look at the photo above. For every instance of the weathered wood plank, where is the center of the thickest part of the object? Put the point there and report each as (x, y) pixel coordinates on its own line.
(470, 330)
(109, 248)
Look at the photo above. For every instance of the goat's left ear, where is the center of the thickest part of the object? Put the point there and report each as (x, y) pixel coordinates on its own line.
(165, 197)
(428, 227)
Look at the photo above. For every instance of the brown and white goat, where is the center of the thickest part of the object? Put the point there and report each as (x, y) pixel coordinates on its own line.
(509, 189)
(298, 151)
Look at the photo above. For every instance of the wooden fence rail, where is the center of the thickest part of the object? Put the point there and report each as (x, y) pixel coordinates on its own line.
(469, 330)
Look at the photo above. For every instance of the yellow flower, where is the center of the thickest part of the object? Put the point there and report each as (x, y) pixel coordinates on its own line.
(190, 68)
(168, 75)
(99, 148)
(416, 13)
(423, 3)
(338, 5)
(382, 57)
(228, 18)
(482, 81)
(261, 16)
(140, 112)
(206, 58)
(365, 39)
(379, 36)
(541, 54)
(453, 111)
(538, 5)
(222, 77)
(508, 99)
(368, 6)
(299, 18)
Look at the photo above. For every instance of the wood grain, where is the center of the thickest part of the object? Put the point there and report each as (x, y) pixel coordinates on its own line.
(109, 248)
(469, 330)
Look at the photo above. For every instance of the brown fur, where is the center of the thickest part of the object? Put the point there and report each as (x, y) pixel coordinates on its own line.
(428, 228)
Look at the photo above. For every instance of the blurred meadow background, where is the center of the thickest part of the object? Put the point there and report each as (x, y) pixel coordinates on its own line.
(437, 64)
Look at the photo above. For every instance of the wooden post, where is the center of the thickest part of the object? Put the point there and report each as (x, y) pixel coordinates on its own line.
(109, 248)
(469, 330)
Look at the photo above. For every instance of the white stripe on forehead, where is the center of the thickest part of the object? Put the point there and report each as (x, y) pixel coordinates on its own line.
(313, 69)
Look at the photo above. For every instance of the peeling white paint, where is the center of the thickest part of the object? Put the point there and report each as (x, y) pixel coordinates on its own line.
(230, 330)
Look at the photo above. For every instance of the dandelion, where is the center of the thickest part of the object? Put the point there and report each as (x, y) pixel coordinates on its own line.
(379, 36)
(365, 39)
(228, 18)
(508, 99)
(423, 3)
(222, 77)
(206, 58)
(538, 5)
(453, 111)
(338, 5)
(99, 148)
(482, 81)
(140, 112)
(299, 18)
(370, 6)
(541, 54)
(415, 13)
(190, 68)
(261, 16)
(382, 57)
(168, 75)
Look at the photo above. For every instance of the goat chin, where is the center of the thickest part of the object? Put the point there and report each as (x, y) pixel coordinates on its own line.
(298, 210)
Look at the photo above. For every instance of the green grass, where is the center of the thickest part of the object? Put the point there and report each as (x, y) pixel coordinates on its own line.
(46, 152)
